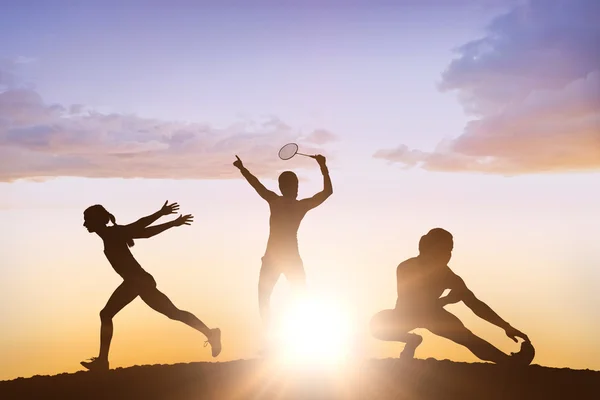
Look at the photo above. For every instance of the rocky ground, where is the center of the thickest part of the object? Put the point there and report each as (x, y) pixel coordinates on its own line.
(370, 379)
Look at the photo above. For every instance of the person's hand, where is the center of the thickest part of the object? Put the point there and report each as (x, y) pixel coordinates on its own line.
(515, 333)
(320, 159)
(184, 220)
(238, 163)
(167, 209)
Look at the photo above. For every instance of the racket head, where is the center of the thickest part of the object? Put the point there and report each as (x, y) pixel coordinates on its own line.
(288, 151)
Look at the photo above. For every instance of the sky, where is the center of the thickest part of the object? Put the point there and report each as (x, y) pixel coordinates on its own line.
(481, 117)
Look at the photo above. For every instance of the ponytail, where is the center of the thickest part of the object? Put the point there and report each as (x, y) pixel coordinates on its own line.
(112, 219)
(99, 213)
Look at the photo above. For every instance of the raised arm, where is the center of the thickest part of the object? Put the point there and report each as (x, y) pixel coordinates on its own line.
(143, 222)
(253, 181)
(148, 232)
(460, 291)
(327, 191)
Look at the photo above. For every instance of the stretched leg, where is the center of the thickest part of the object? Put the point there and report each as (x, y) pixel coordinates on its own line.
(123, 295)
(158, 301)
(390, 325)
(266, 282)
(445, 324)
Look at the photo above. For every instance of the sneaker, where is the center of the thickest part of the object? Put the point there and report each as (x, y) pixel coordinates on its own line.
(95, 364)
(215, 341)
(525, 355)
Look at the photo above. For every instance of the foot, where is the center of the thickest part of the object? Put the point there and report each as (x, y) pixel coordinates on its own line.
(215, 341)
(95, 364)
(411, 345)
(524, 356)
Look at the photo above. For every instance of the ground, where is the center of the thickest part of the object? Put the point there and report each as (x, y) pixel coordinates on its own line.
(369, 379)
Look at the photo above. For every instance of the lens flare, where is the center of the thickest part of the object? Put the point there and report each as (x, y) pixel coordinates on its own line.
(314, 331)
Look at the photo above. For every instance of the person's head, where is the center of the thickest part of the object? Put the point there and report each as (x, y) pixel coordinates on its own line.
(288, 184)
(437, 245)
(96, 217)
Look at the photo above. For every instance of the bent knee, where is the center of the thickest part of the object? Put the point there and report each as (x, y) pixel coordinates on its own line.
(382, 323)
(106, 315)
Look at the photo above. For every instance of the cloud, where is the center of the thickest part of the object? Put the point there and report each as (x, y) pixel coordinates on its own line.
(320, 137)
(532, 85)
(39, 140)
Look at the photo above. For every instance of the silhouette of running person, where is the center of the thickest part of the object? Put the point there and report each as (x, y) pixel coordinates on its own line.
(282, 255)
(136, 282)
(421, 281)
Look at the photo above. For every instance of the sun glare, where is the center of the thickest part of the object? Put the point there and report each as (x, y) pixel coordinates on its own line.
(314, 331)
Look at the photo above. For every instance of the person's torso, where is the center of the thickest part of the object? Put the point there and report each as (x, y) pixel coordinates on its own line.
(119, 256)
(285, 219)
(422, 284)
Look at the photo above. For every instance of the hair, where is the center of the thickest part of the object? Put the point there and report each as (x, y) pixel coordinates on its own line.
(435, 239)
(286, 179)
(100, 213)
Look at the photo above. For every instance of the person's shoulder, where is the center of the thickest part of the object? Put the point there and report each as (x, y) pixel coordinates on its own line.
(408, 264)
(451, 275)
(274, 198)
(116, 229)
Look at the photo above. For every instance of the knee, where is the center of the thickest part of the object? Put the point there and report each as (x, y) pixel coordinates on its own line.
(106, 316)
(175, 314)
(378, 324)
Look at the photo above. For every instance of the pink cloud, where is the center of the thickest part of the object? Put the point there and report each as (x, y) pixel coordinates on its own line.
(533, 85)
(39, 140)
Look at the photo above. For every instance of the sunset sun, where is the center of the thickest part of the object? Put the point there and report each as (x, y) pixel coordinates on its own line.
(314, 331)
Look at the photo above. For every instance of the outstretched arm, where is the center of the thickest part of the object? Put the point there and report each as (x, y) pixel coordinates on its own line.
(143, 222)
(327, 191)
(148, 232)
(482, 310)
(253, 181)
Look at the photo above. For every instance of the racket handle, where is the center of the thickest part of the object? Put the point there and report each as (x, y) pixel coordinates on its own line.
(305, 155)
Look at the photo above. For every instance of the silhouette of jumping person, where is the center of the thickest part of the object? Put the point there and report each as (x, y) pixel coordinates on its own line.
(282, 255)
(136, 282)
(421, 281)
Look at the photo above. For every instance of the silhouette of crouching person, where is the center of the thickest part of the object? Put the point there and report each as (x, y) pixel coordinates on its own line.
(420, 282)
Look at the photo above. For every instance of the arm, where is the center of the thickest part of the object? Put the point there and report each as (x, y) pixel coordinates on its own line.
(482, 310)
(148, 220)
(148, 232)
(254, 182)
(327, 191)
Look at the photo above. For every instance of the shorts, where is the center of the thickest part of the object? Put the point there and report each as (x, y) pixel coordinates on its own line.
(141, 281)
(291, 267)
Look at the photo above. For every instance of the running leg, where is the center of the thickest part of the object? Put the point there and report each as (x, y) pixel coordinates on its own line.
(123, 295)
(158, 301)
